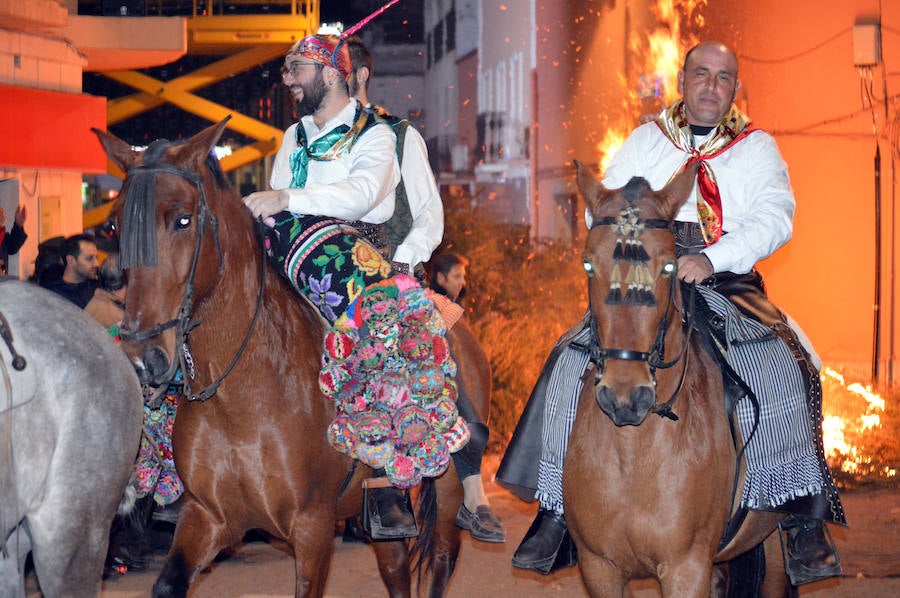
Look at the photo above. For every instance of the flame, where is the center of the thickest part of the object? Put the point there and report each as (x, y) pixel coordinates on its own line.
(657, 85)
(847, 418)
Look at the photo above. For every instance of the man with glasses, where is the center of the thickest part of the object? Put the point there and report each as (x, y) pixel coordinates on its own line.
(337, 162)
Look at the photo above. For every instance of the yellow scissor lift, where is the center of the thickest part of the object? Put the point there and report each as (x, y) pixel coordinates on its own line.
(244, 41)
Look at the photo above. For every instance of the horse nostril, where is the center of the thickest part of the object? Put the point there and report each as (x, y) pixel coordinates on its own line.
(156, 363)
(642, 399)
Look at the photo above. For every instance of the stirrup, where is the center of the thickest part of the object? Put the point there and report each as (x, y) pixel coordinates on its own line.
(370, 519)
(801, 571)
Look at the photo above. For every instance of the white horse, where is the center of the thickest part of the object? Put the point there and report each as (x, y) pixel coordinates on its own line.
(70, 424)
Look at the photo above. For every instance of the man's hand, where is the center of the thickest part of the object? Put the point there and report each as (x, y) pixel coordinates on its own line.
(20, 215)
(694, 268)
(265, 203)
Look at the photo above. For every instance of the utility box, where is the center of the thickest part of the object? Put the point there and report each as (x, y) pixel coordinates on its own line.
(866, 45)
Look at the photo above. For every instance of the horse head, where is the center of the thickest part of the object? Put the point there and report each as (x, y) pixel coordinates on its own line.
(634, 295)
(171, 243)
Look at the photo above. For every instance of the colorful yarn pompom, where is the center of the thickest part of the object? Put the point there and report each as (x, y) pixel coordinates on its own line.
(411, 425)
(431, 455)
(391, 391)
(458, 436)
(427, 383)
(402, 471)
(339, 344)
(342, 435)
(373, 426)
(376, 455)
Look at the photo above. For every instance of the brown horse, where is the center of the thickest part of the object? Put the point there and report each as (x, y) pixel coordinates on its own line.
(648, 497)
(252, 449)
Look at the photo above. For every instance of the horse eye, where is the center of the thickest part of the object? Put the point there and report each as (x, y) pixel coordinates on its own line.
(182, 222)
(588, 267)
(668, 269)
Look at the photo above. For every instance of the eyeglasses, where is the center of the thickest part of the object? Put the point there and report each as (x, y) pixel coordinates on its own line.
(293, 69)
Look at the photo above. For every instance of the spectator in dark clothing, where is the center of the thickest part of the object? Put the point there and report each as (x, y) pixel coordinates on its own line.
(11, 240)
(79, 279)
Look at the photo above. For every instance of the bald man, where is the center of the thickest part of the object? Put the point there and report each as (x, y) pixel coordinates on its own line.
(740, 211)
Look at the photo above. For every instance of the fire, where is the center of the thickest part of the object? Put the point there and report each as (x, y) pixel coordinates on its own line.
(851, 411)
(661, 52)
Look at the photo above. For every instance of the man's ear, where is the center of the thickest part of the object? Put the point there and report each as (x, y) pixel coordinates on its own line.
(362, 76)
(440, 278)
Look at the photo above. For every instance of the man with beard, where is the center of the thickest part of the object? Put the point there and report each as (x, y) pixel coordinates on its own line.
(79, 279)
(338, 162)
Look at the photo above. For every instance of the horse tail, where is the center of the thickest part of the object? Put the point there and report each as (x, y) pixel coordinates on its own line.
(422, 552)
(129, 498)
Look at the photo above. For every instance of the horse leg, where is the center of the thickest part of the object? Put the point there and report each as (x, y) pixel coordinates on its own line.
(312, 539)
(68, 550)
(12, 563)
(601, 578)
(393, 565)
(688, 578)
(443, 548)
(775, 583)
(198, 539)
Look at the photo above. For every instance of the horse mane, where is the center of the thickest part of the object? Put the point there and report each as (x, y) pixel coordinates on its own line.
(138, 244)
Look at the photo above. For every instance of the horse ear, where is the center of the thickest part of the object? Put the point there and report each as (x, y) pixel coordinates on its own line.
(116, 150)
(678, 190)
(196, 149)
(590, 187)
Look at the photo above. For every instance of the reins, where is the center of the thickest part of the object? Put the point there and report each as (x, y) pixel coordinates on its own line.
(183, 323)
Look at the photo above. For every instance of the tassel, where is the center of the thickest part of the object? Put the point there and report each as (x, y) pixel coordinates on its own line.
(614, 297)
(618, 253)
(640, 254)
(616, 277)
(632, 297)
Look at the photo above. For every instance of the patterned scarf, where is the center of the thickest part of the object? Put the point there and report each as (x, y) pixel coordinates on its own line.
(734, 127)
(331, 146)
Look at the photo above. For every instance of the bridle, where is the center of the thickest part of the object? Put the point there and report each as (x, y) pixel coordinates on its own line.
(656, 356)
(183, 322)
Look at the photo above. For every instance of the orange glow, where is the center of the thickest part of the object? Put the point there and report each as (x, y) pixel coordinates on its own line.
(845, 418)
(657, 85)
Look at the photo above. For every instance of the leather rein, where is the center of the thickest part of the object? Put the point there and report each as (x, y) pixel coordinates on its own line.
(184, 322)
(655, 357)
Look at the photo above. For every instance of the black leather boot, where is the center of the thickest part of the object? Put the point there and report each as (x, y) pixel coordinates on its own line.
(547, 545)
(809, 551)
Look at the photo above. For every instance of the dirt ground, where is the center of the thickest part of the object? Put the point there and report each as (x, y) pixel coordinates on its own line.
(869, 549)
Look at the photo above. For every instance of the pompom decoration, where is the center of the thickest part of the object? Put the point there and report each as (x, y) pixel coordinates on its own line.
(402, 471)
(386, 367)
(458, 436)
(411, 425)
(371, 353)
(392, 391)
(427, 383)
(441, 349)
(339, 344)
(373, 426)
(431, 455)
(416, 344)
(375, 455)
(443, 415)
(332, 378)
(342, 435)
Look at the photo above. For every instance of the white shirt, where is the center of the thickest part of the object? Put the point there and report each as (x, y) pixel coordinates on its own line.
(757, 200)
(357, 186)
(424, 202)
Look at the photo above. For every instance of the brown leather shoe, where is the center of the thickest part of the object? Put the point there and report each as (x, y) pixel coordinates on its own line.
(482, 524)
